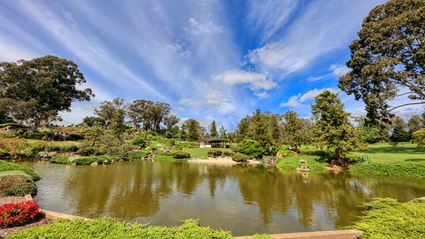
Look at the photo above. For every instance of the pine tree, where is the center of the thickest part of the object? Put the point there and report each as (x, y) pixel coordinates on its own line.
(213, 129)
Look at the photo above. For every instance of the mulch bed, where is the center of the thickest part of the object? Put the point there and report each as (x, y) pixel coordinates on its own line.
(8, 231)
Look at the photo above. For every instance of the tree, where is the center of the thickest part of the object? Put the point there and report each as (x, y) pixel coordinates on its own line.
(296, 130)
(223, 132)
(334, 131)
(368, 133)
(419, 137)
(414, 124)
(171, 126)
(399, 132)
(108, 109)
(213, 129)
(93, 120)
(192, 130)
(118, 125)
(150, 114)
(35, 91)
(388, 57)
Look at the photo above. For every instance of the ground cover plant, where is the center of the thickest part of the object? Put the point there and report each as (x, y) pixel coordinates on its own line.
(109, 228)
(6, 166)
(16, 183)
(84, 160)
(387, 218)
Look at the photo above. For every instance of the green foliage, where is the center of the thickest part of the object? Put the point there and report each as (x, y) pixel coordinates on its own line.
(109, 228)
(419, 137)
(16, 183)
(180, 154)
(60, 159)
(108, 109)
(296, 131)
(313, 162)
(261, 236)
(215, 153)
(240, 157)
(405, 169)
(362, 158)
(399, 132)
(83, 160)
(192, 130)
(37, 90)
(387, 56)
(6, 166)
(251, 148)
(387, 218)
(334, 131)
(213, 129)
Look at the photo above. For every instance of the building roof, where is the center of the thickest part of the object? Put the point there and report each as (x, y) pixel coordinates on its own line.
(216, 139)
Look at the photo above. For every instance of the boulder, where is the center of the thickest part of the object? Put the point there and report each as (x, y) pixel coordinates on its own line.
(94, 164)
(106, 162)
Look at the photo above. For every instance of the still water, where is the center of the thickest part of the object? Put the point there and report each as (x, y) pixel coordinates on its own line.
(242, 199)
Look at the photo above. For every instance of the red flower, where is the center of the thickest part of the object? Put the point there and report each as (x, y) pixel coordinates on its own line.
(14, 214)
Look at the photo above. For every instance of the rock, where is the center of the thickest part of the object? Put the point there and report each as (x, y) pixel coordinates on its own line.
(94, 164)
(51, 154)
(72, 158)
(421, 199)
(106, 162)
(73, 164)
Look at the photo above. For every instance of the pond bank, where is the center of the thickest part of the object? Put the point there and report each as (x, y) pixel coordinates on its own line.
(222, 161)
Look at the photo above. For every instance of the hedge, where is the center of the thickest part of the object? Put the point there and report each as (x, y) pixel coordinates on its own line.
(6, 166)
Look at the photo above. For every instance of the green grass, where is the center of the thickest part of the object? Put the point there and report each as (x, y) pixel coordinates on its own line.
(200, 152)
(403, 152)
(114, 229)
(387, 218)
(402, 169)
(9, 173)
(6, 166)
(82, 160)
(293, 162)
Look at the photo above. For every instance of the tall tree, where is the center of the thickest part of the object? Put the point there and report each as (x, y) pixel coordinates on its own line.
(171, 126)
(118, 124)
(296, 131)
(414, 124)
(137, 112)
(399, 131)
(213, 129)
(334, 130)
(388, 57)
(108, 109)
(192, 130)
(35, 91)
(223, 132)
(150, 114)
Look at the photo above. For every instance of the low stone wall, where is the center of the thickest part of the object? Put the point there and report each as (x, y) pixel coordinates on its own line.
(337, 234)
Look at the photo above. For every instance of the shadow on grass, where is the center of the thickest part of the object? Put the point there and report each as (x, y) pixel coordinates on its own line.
(415, 160)
(395, 149)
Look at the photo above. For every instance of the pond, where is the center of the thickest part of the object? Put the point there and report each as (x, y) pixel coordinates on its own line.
(242, 199)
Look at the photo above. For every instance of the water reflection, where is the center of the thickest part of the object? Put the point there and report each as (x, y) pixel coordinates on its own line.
(242, 199)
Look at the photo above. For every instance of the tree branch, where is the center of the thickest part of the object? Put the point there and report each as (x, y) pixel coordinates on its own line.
(413, 103)
(410, 92)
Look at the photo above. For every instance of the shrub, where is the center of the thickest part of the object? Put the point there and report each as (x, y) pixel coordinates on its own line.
(251, 148)
(419, 137)
(60, 159)
(357, 158)
(238, 157)
(16, 183)
(181, 154)
(140, 141)
(14, 214)
(6, 166)
(109, 228)
(15, 146)
(387, 218)
(215, 153)
(227, 153)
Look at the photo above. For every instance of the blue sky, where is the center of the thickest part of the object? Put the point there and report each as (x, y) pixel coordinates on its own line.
(210, 59)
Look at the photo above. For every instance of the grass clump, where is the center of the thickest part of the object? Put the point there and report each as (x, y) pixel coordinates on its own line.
(387, 218)
(109, 228)
(402, 169)
(6, 166)
(293, 162)
(82, 160)
(16, 183)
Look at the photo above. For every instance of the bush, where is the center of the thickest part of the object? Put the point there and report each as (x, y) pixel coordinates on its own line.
(181, 154)
(238, 157)
(140, 141)
(60, 159)
(387, 218)
(215, 153)
(227, 153)
(251, 148)
(109, 228)
(6, 166)
(419, 137)
(357, 159)
(14, 214)
(16, 183)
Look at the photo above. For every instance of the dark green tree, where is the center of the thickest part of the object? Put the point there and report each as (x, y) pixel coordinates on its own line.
(35, 91)
(171, 126)
(213, 129)
(223, 133)
(399, 131)
(388, 56)
(108, 109)
(295, 130)
(192, 130)
(334, 131)
(118, 124)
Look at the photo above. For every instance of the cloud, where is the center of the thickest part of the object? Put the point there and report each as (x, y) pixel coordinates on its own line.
(257, 82)
(324, 26)
(298, 100)
(339, 70)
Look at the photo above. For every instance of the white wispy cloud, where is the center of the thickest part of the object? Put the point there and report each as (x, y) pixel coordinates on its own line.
(298, 100)
(323, 27)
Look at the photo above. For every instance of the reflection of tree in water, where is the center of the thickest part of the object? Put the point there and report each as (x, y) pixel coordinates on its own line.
(131, 190)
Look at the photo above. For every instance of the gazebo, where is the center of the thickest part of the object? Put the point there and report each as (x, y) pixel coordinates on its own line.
(217, 142)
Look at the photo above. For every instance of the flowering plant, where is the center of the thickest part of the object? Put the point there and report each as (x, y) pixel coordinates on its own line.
(13, 214)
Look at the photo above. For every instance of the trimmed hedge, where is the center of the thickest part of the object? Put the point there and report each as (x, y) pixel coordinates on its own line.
(387, 218)
(110, 228)
(238, 157)
(6, 166)
(16, 183)
(215, 153)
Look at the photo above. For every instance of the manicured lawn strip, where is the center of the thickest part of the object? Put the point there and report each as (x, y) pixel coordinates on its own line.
(82, 160)
(293, 162)
(6, 166)
(403, 152)
(403, 169)
(200, 152)
(387, 218)
(109, 228)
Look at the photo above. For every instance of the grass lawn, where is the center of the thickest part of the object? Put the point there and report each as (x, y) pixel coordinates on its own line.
(386, 153)
(293, 162)
(200, 152)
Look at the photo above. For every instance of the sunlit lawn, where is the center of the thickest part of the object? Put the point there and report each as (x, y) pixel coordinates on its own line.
(386, 153)
(199, 152)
